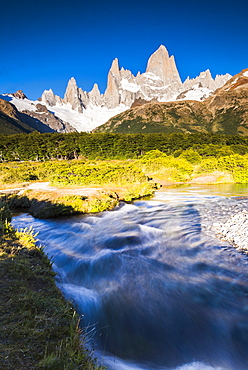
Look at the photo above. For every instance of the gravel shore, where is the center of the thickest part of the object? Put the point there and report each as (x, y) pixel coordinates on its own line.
(227, 219)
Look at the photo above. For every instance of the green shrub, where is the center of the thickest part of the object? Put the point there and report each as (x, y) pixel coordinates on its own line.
(236, 165)
(213, 150)
(100, 173)
(5, 213)
(209, 165)
(191, 156)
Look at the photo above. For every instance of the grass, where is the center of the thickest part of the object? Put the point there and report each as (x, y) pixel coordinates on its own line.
(39, 328)
(50, 204)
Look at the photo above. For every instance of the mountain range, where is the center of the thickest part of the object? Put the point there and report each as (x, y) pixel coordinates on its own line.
(78, 110)
(223, 112)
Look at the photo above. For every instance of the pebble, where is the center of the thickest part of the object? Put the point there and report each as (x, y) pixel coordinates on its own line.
(228, 221)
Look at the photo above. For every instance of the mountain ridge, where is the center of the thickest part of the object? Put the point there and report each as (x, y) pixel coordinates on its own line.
(225, 112)
(79, 110)
(160, 81)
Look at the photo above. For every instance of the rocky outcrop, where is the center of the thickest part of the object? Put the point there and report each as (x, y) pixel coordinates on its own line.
(73, 96)
(49, 98)
(138, 102)
(203, 85)
(112, 96)
(19, 94)
(94, 96)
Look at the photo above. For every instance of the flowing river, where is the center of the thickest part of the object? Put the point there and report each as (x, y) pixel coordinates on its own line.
(154, 287)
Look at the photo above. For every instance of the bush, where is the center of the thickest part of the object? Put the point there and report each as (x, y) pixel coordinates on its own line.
(191, 156)
(213, 150)
(235, 164)
(163, 166)
(138, 191)
(5, 213)
(97, 173)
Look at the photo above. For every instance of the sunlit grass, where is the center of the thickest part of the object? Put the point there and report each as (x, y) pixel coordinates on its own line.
(39, 329)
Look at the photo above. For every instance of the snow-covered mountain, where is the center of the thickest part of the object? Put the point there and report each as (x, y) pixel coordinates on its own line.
(160, 82)
(224, 112)
(36, 115)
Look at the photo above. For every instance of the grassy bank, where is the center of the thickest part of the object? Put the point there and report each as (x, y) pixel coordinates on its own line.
(114, 180)
(49, 204)
(39, 329)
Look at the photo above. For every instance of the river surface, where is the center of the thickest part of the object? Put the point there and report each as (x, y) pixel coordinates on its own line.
(154, 287)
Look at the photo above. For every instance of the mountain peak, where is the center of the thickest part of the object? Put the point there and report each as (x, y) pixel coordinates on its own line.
(161, 82)
(162, 49)
(19, 94)
(115, 69)
(163, 66)
(72, 82)
(72, 95)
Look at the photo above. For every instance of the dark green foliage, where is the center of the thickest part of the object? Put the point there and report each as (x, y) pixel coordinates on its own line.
(42, 147)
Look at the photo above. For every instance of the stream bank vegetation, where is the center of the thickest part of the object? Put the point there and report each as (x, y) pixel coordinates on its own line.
(112, 181)
(117, 179)
(39, 328)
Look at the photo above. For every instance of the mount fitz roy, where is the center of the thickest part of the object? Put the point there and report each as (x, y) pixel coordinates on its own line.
(161, 82)
(83, 111)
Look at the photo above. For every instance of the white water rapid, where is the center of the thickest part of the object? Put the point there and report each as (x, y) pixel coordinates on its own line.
(153, 285)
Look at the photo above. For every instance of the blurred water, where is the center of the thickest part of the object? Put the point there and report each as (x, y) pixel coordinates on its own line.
(153, 289)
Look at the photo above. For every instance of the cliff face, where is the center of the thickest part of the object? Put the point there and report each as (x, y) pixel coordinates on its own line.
(226, 111)
(163, 66)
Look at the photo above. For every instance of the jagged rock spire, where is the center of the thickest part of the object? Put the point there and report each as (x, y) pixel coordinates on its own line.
(48, 97)
(163, 66)
(19, 94)
(95, 95)
(72, 96)
(112, 98)
(115, 69)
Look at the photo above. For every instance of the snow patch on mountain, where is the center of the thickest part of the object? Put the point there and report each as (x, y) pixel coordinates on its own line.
(92, 117)
(196, 93)
(126, 85)
(24, 104)
(152, 76)
(21, 104)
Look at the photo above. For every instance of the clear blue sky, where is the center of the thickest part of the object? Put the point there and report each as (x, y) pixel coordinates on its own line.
(45, 42)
